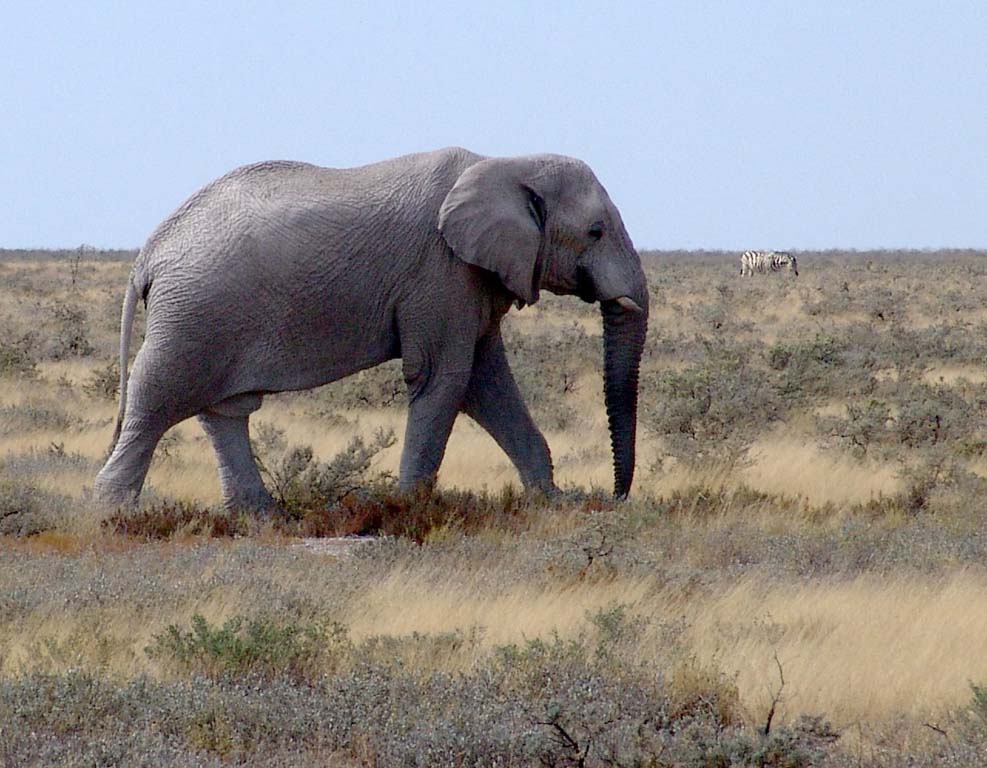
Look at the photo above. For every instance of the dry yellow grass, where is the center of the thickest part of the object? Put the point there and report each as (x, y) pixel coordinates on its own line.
(954, 374)
(411, 600)
(867, 649)
(862, 650)
(793, 466)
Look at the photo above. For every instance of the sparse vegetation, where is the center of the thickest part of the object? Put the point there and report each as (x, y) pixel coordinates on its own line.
(797, 580)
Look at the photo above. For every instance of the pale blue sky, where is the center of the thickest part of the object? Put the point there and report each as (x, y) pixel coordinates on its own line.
(712, 124)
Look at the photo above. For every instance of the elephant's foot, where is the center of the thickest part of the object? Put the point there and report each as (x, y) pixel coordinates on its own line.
(549, 489)
(253, 500)
(552, 491)
(112, 494)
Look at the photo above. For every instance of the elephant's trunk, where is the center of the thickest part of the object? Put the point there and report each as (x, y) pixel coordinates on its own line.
(625, 325)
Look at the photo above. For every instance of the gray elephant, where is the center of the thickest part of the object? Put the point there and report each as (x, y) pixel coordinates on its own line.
(285, 276)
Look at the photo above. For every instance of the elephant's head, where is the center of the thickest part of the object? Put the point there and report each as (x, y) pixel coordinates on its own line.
(546, 222)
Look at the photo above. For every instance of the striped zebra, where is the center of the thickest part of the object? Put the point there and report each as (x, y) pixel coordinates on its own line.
(763, 261)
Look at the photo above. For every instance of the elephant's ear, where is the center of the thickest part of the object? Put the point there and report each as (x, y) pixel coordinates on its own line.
(491, 219)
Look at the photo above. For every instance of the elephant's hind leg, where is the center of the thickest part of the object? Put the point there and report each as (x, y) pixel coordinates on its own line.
(120, 480)
(227, 426)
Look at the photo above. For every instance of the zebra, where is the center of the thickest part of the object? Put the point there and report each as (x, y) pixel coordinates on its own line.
(762, 261)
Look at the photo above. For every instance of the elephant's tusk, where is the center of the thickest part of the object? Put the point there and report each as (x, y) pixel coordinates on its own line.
(629, 304)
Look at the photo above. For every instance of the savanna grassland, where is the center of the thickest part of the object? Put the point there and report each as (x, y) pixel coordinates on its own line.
(798, 579)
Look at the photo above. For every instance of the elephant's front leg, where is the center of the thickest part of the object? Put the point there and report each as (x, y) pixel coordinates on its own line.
(494, 402)
(435, 402)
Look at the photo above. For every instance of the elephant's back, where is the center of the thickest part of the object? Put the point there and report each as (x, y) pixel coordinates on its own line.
(279, 238)
(297, 202)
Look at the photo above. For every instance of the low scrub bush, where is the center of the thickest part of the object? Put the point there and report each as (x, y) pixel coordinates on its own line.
(418, 515)
(379, 387)
(931, 415)
(17, 357)
(561, 709)
(35, 415)
(164, 520)
(910, 416)
(69, 334)
(302, 485)
(26, 510)
(811, 367)
(245, 648)
(711, 410)
(104, 382)
(547, 366)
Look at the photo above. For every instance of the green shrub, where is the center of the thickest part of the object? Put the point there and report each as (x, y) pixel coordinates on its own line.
(35, 415)
(244, 647)
(303, 485)
(714, 409)
(930, 415)
(808, 367)
(547, 366)
(865, 425)
(379, 387)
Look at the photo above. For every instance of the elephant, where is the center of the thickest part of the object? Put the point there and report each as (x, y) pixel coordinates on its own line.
(285, 276)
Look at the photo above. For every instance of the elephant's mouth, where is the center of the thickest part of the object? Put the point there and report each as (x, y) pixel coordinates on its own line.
(585, 289)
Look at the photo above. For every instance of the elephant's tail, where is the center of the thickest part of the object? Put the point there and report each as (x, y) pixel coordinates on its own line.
(126, 331)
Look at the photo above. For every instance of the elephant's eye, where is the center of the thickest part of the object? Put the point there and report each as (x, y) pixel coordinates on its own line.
(596, 231)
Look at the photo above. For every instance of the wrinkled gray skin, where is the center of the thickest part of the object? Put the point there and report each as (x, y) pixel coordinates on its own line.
(284, 276)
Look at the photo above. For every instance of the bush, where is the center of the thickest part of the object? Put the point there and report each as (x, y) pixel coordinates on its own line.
(166, 519)
(379, 387)
(807, 367)
(35, 415)
(865, 425)
(933, 415)
(244, 647)
(302, 485)
(712, 410)
(70, 335)
(104, 383)
(17, 358)
(25, 510)
(418, 515)
(255, 691)
(547, 366)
